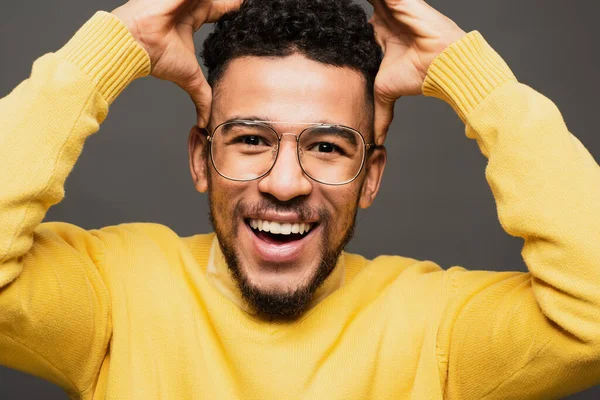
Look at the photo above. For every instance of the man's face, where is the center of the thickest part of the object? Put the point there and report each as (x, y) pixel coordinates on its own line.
(278, 273)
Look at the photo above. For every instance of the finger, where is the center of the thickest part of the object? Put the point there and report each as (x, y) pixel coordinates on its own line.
(381, 27)
(381, 10)
(201, 94)
(378, 31)
(219, 8)
(384, 113)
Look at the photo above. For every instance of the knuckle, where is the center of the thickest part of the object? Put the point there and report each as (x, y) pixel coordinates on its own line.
(382, 90)
(196, 83)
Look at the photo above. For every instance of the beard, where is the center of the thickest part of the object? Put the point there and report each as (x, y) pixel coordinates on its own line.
(273, 305)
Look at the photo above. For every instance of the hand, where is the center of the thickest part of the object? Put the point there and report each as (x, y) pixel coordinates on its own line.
(165, 29)
(411, 34)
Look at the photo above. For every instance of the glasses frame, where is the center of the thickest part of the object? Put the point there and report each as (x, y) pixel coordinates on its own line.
(267, 124)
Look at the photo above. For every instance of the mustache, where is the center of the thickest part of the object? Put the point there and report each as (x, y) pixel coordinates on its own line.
(296, 206)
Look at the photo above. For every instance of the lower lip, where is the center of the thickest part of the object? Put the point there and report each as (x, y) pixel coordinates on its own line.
(280, 253)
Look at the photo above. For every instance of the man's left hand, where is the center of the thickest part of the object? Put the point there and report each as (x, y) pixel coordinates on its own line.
(411, 34)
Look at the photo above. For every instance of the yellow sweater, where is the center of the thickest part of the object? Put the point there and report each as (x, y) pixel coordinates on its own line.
(127, 312)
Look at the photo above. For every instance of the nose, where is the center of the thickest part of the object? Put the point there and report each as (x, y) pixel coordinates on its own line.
(286, 180)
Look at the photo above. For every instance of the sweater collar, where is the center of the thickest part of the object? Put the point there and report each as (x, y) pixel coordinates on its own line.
(218, 275)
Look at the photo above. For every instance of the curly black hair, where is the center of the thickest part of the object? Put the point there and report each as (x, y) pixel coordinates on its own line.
(334, 32)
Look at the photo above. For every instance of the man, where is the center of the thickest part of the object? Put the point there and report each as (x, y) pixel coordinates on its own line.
(288, 145)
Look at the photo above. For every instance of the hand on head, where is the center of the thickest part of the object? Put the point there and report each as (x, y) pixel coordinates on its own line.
(411, 34)
(165, 29)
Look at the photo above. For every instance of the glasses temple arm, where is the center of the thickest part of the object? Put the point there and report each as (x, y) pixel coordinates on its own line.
(373, 146)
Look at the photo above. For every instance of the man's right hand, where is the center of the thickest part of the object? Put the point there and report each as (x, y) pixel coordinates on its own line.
(165, 29)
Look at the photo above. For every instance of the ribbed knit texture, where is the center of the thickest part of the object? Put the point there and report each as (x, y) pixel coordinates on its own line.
(127, 312)
(107, 53)
(465, 73)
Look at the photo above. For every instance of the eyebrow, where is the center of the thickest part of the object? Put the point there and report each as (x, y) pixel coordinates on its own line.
(329, 129)
(267, 120)
(343, 133)
(248, 118)
(230, 124)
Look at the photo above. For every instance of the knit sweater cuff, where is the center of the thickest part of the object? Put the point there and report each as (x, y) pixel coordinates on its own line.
(106, 51)
(465, 73)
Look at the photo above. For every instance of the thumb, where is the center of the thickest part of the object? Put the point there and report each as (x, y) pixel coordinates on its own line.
(384, 113)
(201, 94)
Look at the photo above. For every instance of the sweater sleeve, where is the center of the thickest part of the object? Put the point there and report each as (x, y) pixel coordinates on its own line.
(54, 308)
(513, 335)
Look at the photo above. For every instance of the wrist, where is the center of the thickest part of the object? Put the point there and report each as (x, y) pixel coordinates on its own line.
(465, 73)
(105, 51)
(454, 36)
(129, 20)
(447, 39)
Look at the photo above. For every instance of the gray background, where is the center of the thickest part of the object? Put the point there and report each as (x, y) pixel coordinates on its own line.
(434, 204)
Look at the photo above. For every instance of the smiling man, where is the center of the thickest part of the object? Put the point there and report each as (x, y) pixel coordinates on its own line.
(289, 144)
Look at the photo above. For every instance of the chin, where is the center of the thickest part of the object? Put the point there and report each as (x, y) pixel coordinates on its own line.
(285, 280)
(278, 256)
(278, 292)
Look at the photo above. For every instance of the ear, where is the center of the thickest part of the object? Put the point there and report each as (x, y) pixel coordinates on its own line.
(374, 167)
(198, 157)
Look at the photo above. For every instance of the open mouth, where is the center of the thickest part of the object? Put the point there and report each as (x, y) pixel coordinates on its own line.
(278, 233)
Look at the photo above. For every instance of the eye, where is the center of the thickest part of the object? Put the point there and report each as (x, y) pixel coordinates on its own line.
(324, 147)
(330, 142)
(251, 140)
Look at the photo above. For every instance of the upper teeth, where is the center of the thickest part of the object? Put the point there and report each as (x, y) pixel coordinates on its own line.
(279, 228)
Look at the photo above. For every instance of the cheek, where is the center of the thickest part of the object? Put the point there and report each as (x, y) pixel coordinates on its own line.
(223, 198)
(344, 203)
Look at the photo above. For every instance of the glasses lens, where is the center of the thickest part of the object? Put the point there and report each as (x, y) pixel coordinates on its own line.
(243, 150)
(331, 154)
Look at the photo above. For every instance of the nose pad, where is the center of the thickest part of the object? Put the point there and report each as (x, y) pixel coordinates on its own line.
(293, 152)
(286, 180)
(290, 137)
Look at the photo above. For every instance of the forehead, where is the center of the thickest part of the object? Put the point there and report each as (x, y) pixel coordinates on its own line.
(291, 89)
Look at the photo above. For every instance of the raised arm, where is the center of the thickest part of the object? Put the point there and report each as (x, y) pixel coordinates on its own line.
(507, 335)
(515, 335)
(55, 317)
(54, 309)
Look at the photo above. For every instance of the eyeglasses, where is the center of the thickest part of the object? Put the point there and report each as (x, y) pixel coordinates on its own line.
(245, 150)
